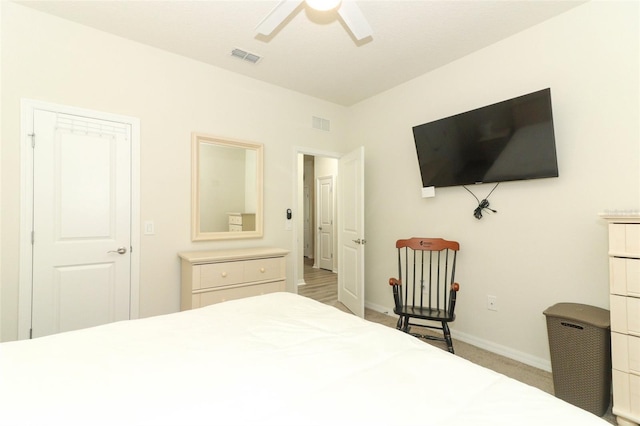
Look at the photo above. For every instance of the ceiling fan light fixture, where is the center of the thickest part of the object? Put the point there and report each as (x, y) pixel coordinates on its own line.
(323, 5)
(348, 11)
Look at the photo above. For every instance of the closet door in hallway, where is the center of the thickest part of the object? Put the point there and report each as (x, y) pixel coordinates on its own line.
(325, 222)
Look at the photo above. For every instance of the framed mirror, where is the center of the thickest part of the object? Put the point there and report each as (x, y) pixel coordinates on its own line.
(226, 188)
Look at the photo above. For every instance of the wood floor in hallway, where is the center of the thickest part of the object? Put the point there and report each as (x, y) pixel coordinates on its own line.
(320, 284)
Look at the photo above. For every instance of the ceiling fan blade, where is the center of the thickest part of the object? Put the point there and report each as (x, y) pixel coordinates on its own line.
(355, 20)
(277, 16)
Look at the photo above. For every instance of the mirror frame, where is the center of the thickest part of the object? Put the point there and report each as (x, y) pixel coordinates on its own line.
(196, 233)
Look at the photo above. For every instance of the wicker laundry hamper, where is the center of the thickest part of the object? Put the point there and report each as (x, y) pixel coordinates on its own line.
(580, 348)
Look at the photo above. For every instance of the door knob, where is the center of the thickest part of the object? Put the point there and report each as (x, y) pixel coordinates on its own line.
(121, 250)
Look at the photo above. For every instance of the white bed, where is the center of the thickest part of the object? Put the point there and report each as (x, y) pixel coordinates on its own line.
(278, 359)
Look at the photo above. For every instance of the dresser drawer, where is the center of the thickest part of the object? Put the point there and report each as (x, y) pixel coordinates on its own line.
(625, 314)
(263, 269)
(209, 277)
(235, 219)
(235, 228)
(222, 295)
(626, 395)
(624, 238)
(624, 276)
(220, 274)
(625, 353)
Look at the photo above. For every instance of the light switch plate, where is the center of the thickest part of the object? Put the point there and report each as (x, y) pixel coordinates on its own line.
(149, 228)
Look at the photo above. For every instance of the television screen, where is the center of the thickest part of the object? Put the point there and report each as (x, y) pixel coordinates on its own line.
(505, 141)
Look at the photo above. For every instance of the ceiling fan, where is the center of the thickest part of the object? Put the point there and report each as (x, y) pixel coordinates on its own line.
(348, 11)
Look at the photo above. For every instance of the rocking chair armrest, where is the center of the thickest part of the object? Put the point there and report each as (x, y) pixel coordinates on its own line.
(396, 284)
(455, 286)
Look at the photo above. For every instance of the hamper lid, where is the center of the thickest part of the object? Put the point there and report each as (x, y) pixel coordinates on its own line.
(586, 314)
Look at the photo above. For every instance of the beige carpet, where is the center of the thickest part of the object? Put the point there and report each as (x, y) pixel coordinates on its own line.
(321, 285)
(522, 372)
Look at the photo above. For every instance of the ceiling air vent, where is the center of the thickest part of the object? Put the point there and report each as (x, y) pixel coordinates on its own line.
(245, 56)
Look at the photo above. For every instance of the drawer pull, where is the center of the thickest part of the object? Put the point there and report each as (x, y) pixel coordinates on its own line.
(262, 270)
(223, 275)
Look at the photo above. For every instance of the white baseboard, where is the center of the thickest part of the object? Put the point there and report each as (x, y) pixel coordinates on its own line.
(379, 308)
(508, 352)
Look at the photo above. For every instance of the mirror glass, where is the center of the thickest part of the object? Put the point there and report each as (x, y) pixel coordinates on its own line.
(226, 188)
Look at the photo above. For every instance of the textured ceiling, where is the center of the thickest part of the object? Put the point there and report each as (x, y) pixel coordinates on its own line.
(311, 52)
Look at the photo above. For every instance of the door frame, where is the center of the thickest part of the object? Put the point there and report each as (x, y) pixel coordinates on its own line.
(307, 231)
(298, 203)
(27, 108)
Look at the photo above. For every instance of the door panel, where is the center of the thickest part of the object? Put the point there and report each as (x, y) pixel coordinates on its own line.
(350, 272)
(351, 233)
(81, 217)
(83, 296)
(85, 186)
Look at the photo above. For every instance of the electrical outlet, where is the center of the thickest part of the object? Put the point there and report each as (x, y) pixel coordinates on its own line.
(492, 303)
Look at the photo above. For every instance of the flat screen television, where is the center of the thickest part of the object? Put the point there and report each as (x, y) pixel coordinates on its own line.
(505, 141)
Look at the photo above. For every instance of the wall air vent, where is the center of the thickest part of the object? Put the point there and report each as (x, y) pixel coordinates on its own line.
(245, 56)
(320, 123)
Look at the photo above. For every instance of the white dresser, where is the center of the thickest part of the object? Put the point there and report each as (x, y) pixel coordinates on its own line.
(209, 277)
(624, 285)
(239, 222)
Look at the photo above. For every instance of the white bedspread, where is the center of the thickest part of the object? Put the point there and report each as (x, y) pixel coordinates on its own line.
(277, 359)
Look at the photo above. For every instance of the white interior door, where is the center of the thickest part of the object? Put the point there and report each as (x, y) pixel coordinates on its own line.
(81, 222)
(351, 237)
(325, 222)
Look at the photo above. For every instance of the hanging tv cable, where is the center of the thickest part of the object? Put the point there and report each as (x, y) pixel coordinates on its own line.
(482, 205)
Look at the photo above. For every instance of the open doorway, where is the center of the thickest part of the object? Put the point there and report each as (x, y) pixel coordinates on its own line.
(319, 272)
(348, 225)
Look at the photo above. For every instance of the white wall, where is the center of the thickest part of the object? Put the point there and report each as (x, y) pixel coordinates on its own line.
(546, 244)
(53, 60)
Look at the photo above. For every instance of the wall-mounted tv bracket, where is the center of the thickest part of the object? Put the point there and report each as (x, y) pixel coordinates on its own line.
(482, 205)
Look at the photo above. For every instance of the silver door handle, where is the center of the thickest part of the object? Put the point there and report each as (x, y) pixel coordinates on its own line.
(360, 241)
(121, 250)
